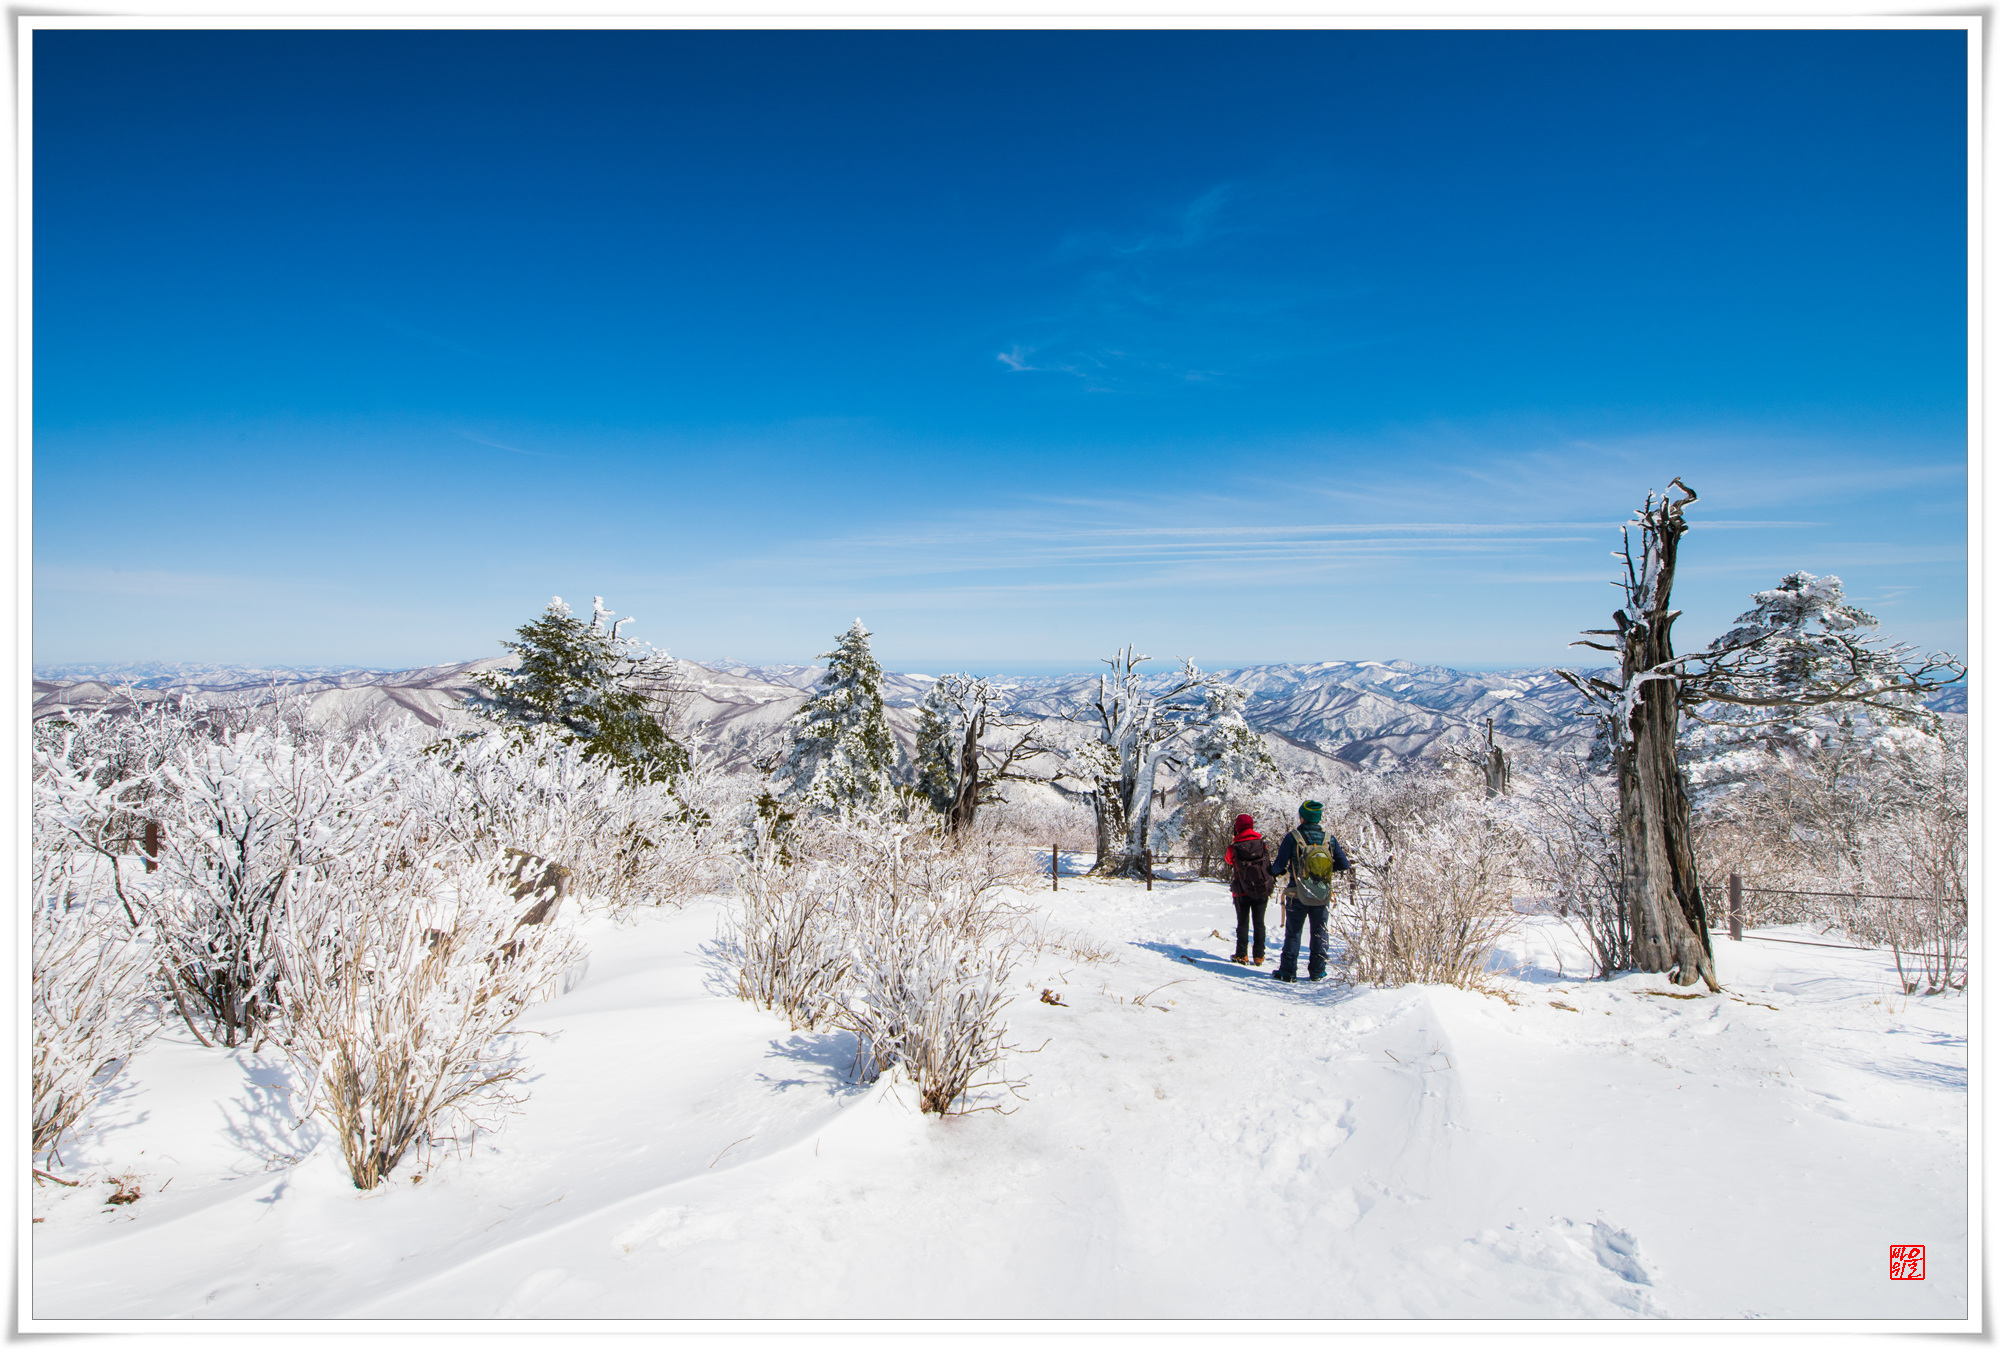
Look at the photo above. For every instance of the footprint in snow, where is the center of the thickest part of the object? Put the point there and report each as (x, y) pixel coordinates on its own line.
(1618, 1251)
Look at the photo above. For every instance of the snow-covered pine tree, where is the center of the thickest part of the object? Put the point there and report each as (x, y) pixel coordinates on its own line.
(1225, 753)
(1802, 676)
(1814, 721)
(941, 726)
(839, 756)
(590, 684)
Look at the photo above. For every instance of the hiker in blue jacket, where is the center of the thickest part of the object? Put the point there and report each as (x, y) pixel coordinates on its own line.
(1306, 896)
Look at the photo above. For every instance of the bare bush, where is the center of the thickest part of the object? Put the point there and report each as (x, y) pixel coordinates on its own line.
(1571, 819)
(888, 929)
(1863, 841)
(1437, 864)
(400, 984)
(785, 931)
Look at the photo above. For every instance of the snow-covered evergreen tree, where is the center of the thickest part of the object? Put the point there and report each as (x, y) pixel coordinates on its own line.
(590, 684)
(941, 718)
(1225, 754)
(839, 756)
(1802, 676)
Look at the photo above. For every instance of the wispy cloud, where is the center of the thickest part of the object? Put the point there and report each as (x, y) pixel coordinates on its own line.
(1176, 301)
(478, 439)
(1191, 225)
(1440, 541)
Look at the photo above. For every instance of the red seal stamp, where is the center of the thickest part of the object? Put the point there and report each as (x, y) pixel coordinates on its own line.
(1906, 1262)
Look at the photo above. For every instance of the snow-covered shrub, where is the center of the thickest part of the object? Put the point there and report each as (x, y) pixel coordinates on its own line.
(885, 928)
(1920, 854)
(626, 841)
(399, 980)
(245, 821)
(1436, 862)
(1040, 820)
(227, 841)
(929, 952)
(92, 956)
(91, 975)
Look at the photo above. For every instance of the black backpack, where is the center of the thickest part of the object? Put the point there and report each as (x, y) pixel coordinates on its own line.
(1250, 874)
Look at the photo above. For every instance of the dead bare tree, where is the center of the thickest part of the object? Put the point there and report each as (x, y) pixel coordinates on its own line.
(1770, 661)
(955, 769)
(1137, 732)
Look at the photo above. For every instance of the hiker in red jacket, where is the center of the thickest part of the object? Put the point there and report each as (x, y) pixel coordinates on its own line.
(1250, 882)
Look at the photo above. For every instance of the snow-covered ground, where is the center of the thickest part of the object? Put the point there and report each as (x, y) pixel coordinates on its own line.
(1197, 1142)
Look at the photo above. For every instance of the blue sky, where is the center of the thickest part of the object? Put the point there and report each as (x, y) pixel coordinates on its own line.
(354, 347)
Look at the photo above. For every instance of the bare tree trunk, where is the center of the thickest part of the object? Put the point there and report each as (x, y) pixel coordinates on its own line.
(1105, 804)
(1139, 815)
(966, 805)
(1662, 889)
(1495, 766)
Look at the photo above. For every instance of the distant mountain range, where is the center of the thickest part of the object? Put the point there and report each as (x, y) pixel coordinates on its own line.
(1334, 715)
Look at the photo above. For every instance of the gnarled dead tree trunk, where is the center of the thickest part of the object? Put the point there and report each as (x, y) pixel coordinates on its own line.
(1800, 649)
(965, 806)
(1662, 890)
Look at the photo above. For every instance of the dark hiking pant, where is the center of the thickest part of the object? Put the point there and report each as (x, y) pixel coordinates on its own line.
(1296, 917)
(1249, 913)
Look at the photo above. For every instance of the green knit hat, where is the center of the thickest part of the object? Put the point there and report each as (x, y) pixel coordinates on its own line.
(1309, 811)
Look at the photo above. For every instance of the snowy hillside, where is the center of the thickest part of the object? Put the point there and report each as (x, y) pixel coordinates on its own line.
(1331, 715)
(342, 696)
(1197, 1141)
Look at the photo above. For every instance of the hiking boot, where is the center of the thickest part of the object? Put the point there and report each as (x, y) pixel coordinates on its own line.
(1239, 960)
(1282, 977)
(1316, 977)
(1258, 961)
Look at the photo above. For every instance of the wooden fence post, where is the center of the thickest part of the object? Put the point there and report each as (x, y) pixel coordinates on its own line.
(1055, 866)
(1735, 907)
(1147, 854)
(152, 844)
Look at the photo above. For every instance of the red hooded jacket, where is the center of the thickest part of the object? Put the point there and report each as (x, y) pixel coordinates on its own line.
(1245, 831)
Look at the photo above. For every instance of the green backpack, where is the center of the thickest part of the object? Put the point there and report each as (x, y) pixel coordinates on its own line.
(1312, 869)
